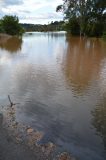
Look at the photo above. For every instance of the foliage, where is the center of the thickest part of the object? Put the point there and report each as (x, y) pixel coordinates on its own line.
(53, 26)
(91, 15)
(73, 26)
(94, 29)
(104, 35)
(10, 25)
(1, 28)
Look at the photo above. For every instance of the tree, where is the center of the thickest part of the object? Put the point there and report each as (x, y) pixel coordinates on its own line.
(10, 25)
(1, 27)
(88, 13)
(73, 26)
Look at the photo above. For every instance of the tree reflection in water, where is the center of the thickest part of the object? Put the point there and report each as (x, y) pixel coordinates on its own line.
(12, 44)
(82, 62)
(99, 120)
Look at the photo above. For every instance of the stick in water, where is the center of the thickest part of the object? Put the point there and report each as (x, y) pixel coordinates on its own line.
(11, 103)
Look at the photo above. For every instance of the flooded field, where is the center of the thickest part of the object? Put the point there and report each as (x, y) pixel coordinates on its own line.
(60, 83)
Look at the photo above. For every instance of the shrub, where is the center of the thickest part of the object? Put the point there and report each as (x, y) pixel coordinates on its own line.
(11, 26)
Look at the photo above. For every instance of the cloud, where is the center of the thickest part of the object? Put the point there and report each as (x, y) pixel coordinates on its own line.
(33, 11)
(11, 2)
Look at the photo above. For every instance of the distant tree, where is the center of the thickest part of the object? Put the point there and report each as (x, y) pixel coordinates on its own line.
(53, 26)
(10, 25)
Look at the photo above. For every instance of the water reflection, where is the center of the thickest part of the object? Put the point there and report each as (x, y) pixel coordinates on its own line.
(12, 44)
(82, 62)
(35, 79)
(99, 120)
(56, 34)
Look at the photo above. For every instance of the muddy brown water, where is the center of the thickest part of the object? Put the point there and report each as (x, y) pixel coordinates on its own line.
(60, 83)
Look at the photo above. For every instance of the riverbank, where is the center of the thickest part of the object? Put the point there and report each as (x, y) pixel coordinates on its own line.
(10, 149)
(18, 141)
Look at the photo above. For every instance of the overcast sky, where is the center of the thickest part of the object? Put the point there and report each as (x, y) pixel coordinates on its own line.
(31, 11)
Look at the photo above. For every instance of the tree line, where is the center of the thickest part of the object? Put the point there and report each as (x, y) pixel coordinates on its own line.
(81, 17)
(84, 17)
(53, 26)
(10, 25)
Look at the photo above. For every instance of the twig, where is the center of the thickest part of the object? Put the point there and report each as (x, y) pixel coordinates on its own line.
(11, 103)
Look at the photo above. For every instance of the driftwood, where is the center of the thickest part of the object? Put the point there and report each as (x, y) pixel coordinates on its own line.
(11, 103)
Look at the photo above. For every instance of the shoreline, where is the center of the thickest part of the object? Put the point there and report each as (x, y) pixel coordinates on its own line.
(16, 138)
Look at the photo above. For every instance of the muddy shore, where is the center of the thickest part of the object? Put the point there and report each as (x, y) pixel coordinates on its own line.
(19, 142)
(10, 150)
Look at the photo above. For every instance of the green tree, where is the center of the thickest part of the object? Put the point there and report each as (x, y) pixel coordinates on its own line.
(1, 27)
(91, 14)
(10, 25)
(73, 26)
(104, 35)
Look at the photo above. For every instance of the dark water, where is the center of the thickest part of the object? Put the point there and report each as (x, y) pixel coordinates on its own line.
(60, 82)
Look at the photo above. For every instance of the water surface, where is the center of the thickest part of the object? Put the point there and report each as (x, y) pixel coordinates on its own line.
(60, 82)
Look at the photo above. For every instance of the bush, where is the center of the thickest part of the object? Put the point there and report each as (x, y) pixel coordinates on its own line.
(73, 27)
(1, 28)
(104, 36)
(11, 26)
(94, 29)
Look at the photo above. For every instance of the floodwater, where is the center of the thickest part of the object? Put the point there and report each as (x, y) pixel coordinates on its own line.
(60, 83)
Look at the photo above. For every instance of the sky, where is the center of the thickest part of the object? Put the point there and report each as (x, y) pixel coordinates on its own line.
(32, 11)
